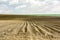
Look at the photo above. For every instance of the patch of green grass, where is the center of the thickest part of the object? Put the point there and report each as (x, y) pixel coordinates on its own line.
(58, 15)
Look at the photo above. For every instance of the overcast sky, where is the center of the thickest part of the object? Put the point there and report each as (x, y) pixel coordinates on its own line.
(29, 6)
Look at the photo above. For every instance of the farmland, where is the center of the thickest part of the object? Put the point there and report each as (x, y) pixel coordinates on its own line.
(20, 27)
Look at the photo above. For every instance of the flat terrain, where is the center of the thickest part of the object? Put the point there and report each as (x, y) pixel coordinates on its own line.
(19, 27)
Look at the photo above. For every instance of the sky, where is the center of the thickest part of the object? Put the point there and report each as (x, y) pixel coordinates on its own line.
(29, 6)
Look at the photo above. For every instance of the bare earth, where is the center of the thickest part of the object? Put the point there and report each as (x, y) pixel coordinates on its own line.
(30, 28)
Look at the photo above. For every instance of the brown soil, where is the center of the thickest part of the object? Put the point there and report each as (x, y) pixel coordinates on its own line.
(15, 27)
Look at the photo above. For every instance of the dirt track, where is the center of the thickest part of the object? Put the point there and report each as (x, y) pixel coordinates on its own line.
(30, 29)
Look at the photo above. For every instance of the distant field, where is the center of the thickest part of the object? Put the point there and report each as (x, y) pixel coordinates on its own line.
(26, 27)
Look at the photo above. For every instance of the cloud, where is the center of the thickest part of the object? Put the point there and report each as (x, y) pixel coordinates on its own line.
(12, 2)
(56, 9)
(21, 6)
(3, 0)
(3, 8)
(29, 6)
